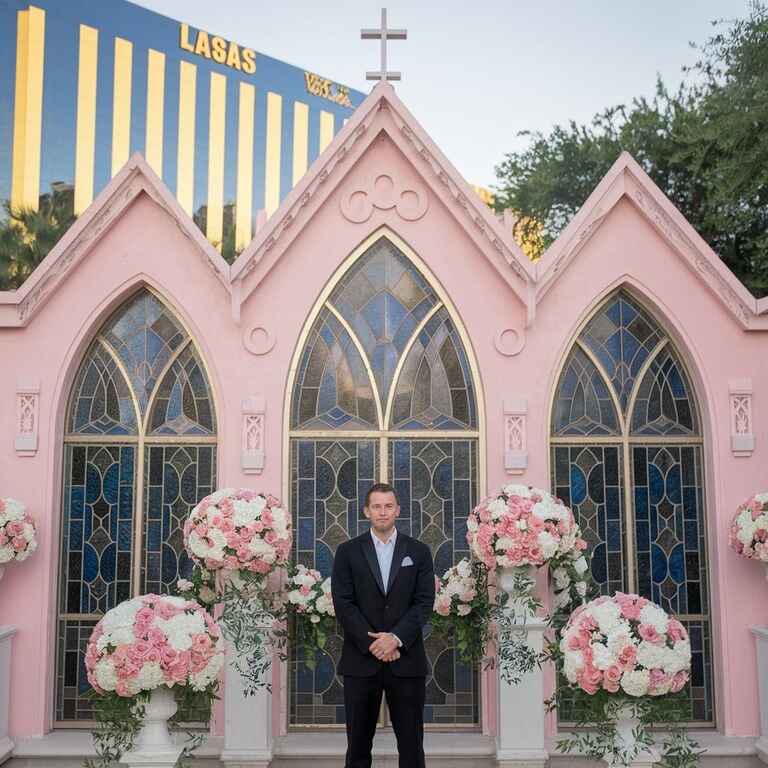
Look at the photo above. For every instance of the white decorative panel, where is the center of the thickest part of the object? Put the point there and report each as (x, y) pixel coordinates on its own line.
(742, 422)
(515, 439)
(27, 417)
(253, 454)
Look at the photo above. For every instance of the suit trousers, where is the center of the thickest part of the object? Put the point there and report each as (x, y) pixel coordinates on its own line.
(405, 699)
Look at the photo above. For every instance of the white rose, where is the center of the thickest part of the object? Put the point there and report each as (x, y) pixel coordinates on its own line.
(635, 683)
(314, 618)
(561, 599)
(561, 578)
(464, 609)
(184, 585)
(472, 524)
(503, 543)
(581, 588)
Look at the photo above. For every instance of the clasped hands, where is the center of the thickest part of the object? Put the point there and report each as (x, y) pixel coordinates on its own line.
(384, 647)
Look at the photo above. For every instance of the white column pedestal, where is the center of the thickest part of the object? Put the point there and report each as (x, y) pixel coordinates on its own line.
(761, 645)
(154, 747)
(6, 636)
(247, 724)
(520, 714)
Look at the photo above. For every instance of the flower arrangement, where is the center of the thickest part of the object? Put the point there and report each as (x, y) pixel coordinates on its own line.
(521, 526)
(627, 661)
(748, 535)
(138, 651)
(240, 541)
(310, 603)
(625, 644)
(238, 530)
(18, 535)
(462, 607)
(151, 641)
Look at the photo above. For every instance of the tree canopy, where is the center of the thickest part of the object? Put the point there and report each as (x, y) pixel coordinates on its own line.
(705, 145)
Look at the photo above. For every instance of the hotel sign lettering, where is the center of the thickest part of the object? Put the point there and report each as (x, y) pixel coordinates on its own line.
(218, 49)
(327, 89)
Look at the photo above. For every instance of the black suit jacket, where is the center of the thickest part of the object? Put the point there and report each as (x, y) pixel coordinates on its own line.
(362, 606)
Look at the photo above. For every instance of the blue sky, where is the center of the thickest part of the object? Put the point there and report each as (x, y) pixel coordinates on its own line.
(476, 74)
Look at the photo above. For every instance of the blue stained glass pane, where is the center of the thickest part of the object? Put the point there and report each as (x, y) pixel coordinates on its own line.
(597, 506)
(144, 334)
(665, 404)
(173, 484)
(583, 405)
(94, 482)
(434, 389)
(622, 335)
(101, 402)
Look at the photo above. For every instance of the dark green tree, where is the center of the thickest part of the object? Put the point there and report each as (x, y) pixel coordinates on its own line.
(705, 145)
(26, 235)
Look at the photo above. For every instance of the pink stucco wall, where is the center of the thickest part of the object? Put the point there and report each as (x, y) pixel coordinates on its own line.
(147, 246)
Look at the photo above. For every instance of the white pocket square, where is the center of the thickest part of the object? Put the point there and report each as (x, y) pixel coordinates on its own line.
(406, 561)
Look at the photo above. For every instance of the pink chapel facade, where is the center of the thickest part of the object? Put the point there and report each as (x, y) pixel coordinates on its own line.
(382, 183)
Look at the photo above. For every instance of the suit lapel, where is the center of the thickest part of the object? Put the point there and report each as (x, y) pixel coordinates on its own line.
(401, 544)
(373, 562)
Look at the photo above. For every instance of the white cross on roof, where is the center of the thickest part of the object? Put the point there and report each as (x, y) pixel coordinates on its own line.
(383, 34)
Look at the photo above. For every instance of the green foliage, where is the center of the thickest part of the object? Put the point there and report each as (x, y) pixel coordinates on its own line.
(311, 636)
(26, 235)
(705, 145)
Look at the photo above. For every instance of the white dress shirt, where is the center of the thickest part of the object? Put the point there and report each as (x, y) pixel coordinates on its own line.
(385, 551)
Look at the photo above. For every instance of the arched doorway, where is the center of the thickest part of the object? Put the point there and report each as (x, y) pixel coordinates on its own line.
(383, 389)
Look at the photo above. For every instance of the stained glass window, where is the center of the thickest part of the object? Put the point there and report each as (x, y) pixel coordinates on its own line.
(384, 317)
(434, 389)
(105, 448)
(636, 481)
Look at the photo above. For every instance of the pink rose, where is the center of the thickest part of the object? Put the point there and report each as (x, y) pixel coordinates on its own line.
(628, 657)
(676, 631)
(679, 679)
(649, 634)
(589, 679)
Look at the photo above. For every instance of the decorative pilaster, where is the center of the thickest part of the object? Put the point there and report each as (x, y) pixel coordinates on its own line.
(520, 708)
(252, 457)
(515, 438)
(27, 416)
(6, 636)
(761, 645)
(247, 723)
(742, 426)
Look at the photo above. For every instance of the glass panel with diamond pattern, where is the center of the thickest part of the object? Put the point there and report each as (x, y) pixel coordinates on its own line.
(665, 520)
(99, 564)
(383, 332)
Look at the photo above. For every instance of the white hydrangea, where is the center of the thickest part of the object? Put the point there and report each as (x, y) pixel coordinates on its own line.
(118, 624)
(618, 639)
(762, 498)
(656, 617)
(635, 682)
(218, 496)
(678, 658)
(201, 680)
(14, 510)
(607, 615)
(262, 550)
(517, 489)
(106, 676)
(180, 629)
(651, 656)
(573, 663)
(581, 588)
(497, 508)
(602, 658)
(548, 544)
(150, 676)
(463, 568)
(503, 543)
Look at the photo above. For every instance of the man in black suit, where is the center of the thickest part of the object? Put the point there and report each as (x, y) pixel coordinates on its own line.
(383, 587)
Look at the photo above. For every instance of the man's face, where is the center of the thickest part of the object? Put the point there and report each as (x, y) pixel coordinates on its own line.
(382, 510)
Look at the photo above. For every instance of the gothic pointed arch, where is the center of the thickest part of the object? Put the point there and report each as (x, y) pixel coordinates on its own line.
(139, 452)
(384, 389)
(627, 455)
